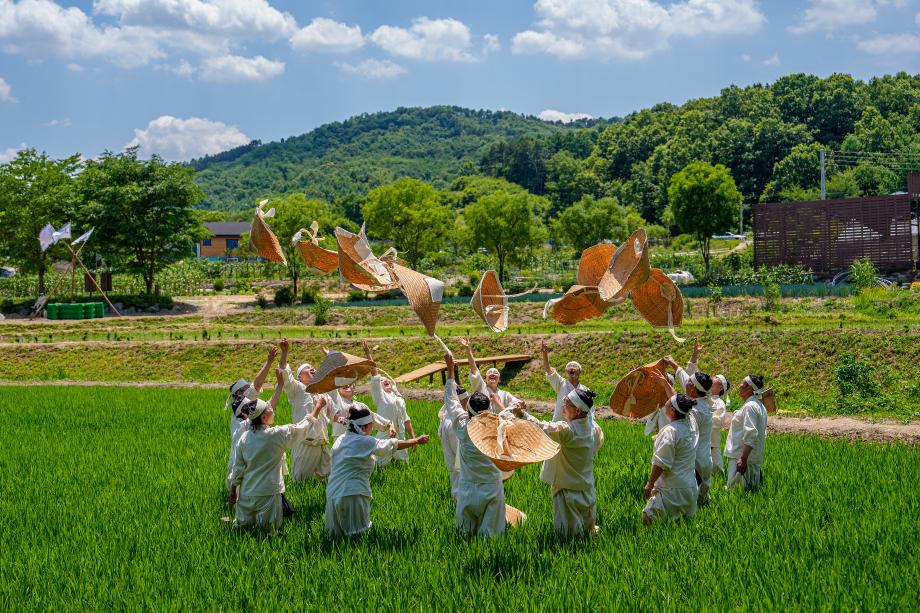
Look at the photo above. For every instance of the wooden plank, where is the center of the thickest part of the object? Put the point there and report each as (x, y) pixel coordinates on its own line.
(429, 370)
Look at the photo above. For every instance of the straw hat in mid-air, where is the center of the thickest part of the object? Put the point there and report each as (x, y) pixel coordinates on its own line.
(338, 370)
(510, 444)
(262, 238)
(659, 301)
(359, 266)
(582, 301)
(641, 392)
(628, 268)
(315, 257)
(490, 302)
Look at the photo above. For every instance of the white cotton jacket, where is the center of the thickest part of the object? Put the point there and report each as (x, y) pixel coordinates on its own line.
(340, 407)
(353, 463)
(475, 467)
(563, 387)
(700, 416)
(721, 419)
(478, 384)
(238, 427)
(748, 427)
(303, 403)
(573, 467)
(675, 453)
(260, 457)
(449, 443)
(392, 408)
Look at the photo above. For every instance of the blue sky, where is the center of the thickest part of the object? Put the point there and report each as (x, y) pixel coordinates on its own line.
(185, 78)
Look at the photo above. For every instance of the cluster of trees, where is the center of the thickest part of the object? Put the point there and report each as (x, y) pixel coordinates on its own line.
(142, 210)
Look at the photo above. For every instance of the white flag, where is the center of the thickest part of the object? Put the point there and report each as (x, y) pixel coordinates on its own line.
(62, 233)
(83, 237)
(46, 236)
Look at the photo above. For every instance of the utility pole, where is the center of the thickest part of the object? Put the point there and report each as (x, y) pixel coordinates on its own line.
(741, 219)
(823, 190)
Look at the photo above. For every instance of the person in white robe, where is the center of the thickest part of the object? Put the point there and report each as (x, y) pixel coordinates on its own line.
(563, 386)
(671, 490)
(257, 480)
(487, 385)
(696, 386)
(312, 457)
(348, 492)
(390, 405)
(240, 392)
(481, 493)
(455, 398)
(721, 419)
(747, 437)
(341, 399)
(570, 473)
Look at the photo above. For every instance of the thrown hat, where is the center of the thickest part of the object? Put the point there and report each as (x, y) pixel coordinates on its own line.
(514, 517)
(262, 238)
(490, 302)
(628, 268)
(424, 293)
(337, 370)
(582, 301)
(510, 444)
(359, 266)
(642, 391)
(660, 302)
(314, 256)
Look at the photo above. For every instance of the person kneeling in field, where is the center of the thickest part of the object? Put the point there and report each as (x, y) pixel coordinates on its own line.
(389, 404)
(721, 418)
(348, 492)
(455, 397)
(311, 457)
(240, 392)
(342, 399)
(257, 481)
(570, 473)
(747, 437)
(489, 385)
(671, 490)
(481, 493)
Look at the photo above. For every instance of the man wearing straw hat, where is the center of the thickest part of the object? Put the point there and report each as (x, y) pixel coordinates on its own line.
(481, 493)
(747, 437)
(671, 490)
(489, 384)
(311, 457)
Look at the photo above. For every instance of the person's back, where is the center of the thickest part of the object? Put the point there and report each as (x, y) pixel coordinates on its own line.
(681, 475)
(573, 467)
(352, 466)
(262, 451)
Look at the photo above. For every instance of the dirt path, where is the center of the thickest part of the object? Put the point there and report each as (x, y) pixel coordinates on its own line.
(833, 427)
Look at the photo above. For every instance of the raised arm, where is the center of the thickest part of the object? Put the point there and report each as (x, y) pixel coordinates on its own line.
(367, 354)
(285, 345)
(474, 368)
(279, 385)
(262, 375)
(544, 352)
(695, 358)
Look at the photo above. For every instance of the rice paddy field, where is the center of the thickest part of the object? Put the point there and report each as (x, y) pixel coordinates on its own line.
(111, 498)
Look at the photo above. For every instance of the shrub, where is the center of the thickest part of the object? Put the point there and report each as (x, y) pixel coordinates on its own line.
(771, 296)
(283, 296)
(356, 295)
(320, 311)
(715, 297)
(465, 290)
(863, 274)
(856, 378)
(218, 285)
(309, 295)
(261, 302)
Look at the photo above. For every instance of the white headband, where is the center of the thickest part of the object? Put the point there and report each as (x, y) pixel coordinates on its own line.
(575, 399)
(464, 396)
(344, 381)
(261, 407)
(495, 370)
(573, 363)
(240, 384)
(673, 402)
(750, 382)
(697, 384)
(361, 421)
(724, 381)
(302, 368)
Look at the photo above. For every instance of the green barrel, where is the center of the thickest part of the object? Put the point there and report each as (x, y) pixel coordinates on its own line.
(89, 310)
(70, 311)
(51, 310)
(99, 310)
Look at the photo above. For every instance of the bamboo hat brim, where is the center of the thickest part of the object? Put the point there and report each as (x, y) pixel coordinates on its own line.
(424, 293)
(514, 517)
(578, 304)
(526, 443)
(490, 302)
(642, 392)
(593, 264)
(314, 256)
(628, 269)
(659, 301)
(263, 239)
(338, 364)
(358, 265)
(768, 398)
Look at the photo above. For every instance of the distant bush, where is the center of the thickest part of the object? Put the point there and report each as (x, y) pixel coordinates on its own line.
(283, 296)
(261, 302)
(356, 295)
(465, 290)
(863, 274)
(309, 295)
(320, 311)
(219, 285)
(771, 296)
(856, 380)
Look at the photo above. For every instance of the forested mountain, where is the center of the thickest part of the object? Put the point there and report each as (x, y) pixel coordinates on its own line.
(344, 159)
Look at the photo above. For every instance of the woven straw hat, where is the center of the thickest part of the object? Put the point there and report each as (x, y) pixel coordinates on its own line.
(263, 239)
(358, 264)
(578, 304)
(768, 398)
(642, 392)
(514, 517)
(659, 301)
(314, 256)
(424, 293)
(593, 264)
(490, 303)
(338, 364)
(628, 268)
(525, 442)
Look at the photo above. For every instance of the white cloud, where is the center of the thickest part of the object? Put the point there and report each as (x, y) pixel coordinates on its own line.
(891, 44)
(490, 43)
(73, 67)
(833, 14)
(6, 92)
(8, 154)
(326, 35)
(183, 69)
(745, 57)
(772, 60)
(630, 29)
(554, 115)
(59, 123)
(427, 39)
(373, 69)
(235, 69)
(181, 139)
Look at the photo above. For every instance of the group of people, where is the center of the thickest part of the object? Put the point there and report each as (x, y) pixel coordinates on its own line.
(687, 445)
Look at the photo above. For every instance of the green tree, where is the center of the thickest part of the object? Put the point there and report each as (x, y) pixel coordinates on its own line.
(590, 221)
(411, 214)
(507, 224)
(704, 201)
(142, 211)
(35, 190)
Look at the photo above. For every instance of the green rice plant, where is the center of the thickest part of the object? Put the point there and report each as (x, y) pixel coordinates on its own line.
(111, 499)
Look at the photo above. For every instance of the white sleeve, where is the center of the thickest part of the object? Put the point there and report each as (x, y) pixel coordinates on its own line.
(477, 383)
(239, 465)
(384, 448)
(555, 380)
(749, 434)
(297, 433)
(692, 368)
(681, 378)
(380, 423)
(559, 431)
(292, 386)
(377, 390)
(663, 455)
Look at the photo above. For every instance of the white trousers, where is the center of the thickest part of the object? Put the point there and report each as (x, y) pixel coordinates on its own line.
(262, 511)
(481, 509)
(574, 513)
(347, 516)
(717, 466)
(672, 504)
(750, 480)
(310, 459)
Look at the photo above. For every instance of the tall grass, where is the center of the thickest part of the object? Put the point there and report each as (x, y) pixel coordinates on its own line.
(111, 499)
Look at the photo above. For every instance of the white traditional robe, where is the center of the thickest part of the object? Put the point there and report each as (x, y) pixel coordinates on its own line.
(449, 443)
(310, 458)
(481, 495)
(570, 474)
(391, 407)
(237, 428)
(258, 471)
(701, 422)
(348, 491)
(748, 428)
(478, 384)
(675, 493)
(721, 419)
(340, 407)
